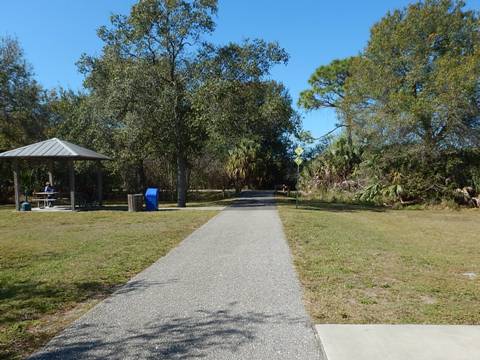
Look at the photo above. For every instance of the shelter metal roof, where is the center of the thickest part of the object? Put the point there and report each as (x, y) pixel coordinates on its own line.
(53, 149)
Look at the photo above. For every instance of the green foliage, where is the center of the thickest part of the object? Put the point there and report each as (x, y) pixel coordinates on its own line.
(238, 103)
(327, 85)
(332, 168)
(251, 60)
(392, 175)
(144, 78)
(23, 108)
(160, 94)
(417, 80)
(328, 91)
(242, 163)
(22, 111)
(411, 102)
(168, 108)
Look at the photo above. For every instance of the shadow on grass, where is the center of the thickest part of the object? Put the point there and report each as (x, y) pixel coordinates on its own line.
(29, 300)
(318, 205)
(199, 334)
(22, 303)
(7, 207)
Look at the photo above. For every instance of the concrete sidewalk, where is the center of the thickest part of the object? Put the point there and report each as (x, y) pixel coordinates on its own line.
(229, 291)
(400, 342)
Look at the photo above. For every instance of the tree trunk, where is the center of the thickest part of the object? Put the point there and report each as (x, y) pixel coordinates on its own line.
(428, 138)
(181, 180)
(16, 182)
(349, 129)
(179, 134)
(141, 178)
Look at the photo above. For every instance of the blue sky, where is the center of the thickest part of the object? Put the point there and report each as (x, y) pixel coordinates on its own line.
(54, 33)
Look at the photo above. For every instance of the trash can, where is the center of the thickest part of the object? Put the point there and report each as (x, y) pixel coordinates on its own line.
(151, 199)
(135, 202)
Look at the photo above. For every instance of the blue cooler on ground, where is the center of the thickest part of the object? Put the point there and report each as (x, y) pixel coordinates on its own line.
(151, 199)
(25, 206)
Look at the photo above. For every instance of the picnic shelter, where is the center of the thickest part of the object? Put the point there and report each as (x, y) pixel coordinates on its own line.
(50, 151)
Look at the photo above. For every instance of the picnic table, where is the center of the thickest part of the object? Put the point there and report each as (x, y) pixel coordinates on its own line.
(47, 197)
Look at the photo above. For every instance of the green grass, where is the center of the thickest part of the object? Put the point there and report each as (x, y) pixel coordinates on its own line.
(372, 265)
(55, 266)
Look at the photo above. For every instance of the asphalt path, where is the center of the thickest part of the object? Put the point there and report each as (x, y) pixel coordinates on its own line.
(228, 291)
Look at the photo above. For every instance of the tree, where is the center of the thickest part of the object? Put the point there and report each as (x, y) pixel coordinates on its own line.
(332, 167)
(412, 98)
(239, 103)
(328, 91)
(241, 163)
(417, 82)
(22, 101)
(145, 74)
(327, 86)
(23, 111)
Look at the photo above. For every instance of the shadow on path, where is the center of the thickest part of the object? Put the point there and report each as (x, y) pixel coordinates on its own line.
(254, 200)
(191, 337)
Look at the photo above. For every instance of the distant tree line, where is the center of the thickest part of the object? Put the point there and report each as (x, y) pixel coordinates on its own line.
(169, 108)
(408, 107)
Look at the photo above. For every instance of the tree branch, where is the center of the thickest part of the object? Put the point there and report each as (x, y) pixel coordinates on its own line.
(330, 132)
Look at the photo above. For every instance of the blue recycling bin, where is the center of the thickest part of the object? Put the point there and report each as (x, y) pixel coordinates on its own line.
(151, 199)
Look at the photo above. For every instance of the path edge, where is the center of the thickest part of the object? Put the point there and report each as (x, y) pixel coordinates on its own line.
(45, 347)
(311, 324)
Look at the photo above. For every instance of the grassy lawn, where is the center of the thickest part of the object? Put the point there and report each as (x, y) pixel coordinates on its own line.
(367, 265)
(54, 267)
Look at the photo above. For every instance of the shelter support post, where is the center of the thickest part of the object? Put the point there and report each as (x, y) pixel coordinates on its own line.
(99, 184)
(71, 176)
(16, 183)
(50, 172)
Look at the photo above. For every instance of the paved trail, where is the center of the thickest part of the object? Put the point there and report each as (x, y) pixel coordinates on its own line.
(229, 291)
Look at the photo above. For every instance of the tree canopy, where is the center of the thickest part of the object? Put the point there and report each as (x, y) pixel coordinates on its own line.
(176, 111)
(411, 99)
(417, 80)
(22, 101)
(327, 86)
(160, 100)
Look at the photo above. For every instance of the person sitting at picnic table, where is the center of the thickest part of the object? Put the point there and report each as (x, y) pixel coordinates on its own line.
(49, 189)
